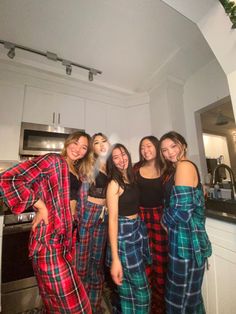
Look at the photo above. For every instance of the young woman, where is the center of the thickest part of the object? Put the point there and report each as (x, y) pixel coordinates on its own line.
(44, 183)
(128, 250)
(185, 223)
(93, 225)
(151, 209)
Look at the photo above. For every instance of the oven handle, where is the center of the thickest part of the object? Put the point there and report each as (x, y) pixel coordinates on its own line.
(17, 228)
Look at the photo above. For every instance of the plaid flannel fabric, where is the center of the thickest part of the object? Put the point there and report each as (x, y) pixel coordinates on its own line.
(188, 249)
(186, 214)
(90, 252)
(46, 178)
(158, 242)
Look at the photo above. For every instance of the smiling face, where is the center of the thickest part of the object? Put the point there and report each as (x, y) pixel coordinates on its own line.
(172, 151)
(77, 149)
(100, 146)
(120, 159)
(148, 150)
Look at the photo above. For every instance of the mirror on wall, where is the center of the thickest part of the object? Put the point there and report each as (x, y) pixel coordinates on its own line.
(218, 140)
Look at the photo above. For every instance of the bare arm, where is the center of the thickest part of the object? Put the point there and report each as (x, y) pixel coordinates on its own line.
(112, 203)
(181, 207)
(186, 174)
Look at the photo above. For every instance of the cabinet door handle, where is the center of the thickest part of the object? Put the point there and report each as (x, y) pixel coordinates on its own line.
(207, 264)
(53, 118)
(59, 118)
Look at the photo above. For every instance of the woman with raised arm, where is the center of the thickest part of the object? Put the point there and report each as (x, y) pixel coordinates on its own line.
(128, 249)
(93, 225)
(44, 184)
(184, 222)
(148, 175)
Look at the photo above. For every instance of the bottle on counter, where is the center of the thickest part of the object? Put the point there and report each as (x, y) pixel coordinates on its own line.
(217, 191)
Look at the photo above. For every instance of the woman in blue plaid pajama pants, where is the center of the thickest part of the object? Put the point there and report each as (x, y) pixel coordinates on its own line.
(128, 250)
(93, 224)
(184, 221)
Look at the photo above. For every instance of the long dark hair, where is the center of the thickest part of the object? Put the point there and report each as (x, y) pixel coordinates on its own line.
(154, 140)
(113, 173)
(168, 166)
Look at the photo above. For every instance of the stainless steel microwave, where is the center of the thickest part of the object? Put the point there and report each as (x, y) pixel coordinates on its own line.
(39, 139)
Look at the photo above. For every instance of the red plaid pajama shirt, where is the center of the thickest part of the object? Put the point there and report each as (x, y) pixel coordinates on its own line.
(50, 246)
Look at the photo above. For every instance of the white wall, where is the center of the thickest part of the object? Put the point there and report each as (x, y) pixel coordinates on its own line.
(215, 146)
(166, 108)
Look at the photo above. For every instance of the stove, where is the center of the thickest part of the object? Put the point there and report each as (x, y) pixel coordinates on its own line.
(11, 219)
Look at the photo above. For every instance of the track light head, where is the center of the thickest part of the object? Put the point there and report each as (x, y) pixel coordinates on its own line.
(68, 69)
(90, 76)
(68, 66)
(92, 72)
(11, 53)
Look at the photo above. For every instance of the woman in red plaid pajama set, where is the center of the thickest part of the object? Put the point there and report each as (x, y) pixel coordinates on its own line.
(93, 219)
(44, 183)
(151, 209)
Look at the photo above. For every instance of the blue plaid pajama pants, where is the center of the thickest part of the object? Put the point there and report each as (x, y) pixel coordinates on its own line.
(90, 252)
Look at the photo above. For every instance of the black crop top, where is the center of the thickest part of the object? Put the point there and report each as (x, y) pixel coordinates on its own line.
(98, 189)
(129, 200)
(151, 191)
(75, 185)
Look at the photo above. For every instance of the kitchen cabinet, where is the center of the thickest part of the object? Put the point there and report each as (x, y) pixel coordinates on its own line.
(220, 280)
(11, 96)
(96, 117)
(47, 107)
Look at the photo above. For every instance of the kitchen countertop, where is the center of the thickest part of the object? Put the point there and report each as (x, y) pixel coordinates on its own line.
(221, 216)
(220, 209)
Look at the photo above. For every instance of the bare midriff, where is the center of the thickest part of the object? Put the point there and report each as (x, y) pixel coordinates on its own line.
(132, 216)
(98, 201)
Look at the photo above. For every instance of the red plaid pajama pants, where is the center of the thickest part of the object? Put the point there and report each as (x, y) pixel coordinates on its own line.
(59, 284)
(159, 248)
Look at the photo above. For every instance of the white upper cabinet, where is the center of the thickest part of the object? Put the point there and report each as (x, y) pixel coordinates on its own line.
(96, 117)
(38, 106)
(11, 107)
(69, 111)
(51, 108)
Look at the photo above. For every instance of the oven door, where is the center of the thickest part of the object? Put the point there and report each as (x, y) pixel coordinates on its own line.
(19, 286)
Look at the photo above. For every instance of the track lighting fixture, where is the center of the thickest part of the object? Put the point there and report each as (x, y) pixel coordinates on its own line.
(11, 53)
(51, 56)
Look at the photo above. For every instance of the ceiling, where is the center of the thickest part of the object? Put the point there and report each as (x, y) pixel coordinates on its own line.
(219, 113)
(135, 43)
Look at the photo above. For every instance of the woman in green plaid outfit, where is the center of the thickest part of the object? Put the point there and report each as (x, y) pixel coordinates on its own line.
(128, 250)
(184, 221)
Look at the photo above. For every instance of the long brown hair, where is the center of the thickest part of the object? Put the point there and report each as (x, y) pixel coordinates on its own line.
(82, 166)
(168, 167)
(96, 160)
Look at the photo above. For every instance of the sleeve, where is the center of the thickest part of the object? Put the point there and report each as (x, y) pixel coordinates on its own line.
(181, 206)
(17, 186)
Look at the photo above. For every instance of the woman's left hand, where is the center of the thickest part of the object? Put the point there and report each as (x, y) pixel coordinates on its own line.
(41, 214)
